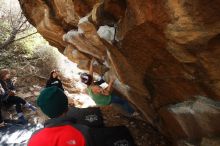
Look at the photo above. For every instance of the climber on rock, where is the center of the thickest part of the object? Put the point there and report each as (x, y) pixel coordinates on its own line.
(54, 80)
(88, 79)
(60, 129)
(102, 96)
(8, 96)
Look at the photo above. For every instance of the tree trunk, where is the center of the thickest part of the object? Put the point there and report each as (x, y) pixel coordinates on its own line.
(10, 39)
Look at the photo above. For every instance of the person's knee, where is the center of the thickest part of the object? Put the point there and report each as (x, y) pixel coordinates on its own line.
(20, 100)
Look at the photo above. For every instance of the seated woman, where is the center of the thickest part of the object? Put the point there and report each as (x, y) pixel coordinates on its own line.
(8, 96)
(1, 120)
(54, 80)
(102, 96)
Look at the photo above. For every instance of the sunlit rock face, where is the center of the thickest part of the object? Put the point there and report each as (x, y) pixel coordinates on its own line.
(165, 54)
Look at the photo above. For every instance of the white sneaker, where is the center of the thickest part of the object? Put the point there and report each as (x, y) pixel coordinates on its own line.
(2, 124)
(30, 106)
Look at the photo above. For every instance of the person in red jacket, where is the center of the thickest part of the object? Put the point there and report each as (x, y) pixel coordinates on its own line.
(60, 129)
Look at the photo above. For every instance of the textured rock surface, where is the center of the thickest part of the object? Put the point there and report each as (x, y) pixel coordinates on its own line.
(165, 54)
(193, 119)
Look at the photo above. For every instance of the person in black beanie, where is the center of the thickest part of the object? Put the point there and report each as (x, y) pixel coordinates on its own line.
(54, 80)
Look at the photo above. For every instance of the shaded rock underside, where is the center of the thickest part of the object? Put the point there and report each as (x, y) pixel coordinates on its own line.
(164, 53)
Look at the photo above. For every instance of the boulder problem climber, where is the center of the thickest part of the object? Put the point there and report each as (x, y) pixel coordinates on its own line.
(102, 96)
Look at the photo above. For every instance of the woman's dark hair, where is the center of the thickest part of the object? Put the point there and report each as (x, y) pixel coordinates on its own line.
(3, 73)
(51, 73)
(86, 78)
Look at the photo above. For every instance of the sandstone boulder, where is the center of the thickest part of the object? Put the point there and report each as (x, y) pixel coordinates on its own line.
(164, 53)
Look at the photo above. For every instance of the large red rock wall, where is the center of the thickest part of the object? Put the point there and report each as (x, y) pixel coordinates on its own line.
(165, 54)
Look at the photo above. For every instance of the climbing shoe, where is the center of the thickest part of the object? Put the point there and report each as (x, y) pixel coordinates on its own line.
(30, 106)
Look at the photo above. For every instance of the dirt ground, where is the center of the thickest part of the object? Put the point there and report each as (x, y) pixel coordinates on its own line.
(143, 133)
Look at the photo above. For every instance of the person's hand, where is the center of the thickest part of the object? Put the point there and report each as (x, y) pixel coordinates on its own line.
(14, 80)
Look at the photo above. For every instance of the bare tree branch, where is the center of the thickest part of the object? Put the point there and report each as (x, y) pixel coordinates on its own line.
(25, 36)
(17, 25)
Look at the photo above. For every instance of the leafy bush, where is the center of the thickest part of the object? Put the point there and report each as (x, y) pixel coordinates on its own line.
(48, 59)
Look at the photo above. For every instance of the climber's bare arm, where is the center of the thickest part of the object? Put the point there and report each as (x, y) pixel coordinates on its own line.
(91, 67)
(108, 90)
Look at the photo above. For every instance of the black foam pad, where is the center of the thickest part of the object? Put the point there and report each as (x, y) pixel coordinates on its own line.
(91, 117)
(112, 136)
